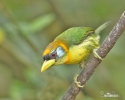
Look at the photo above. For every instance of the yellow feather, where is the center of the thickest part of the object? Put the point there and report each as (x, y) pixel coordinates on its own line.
(78, 53)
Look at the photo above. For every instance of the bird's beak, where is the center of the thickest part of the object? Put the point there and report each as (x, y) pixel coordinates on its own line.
(47, 64)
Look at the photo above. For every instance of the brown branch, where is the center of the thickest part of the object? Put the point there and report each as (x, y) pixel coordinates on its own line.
(94, 62)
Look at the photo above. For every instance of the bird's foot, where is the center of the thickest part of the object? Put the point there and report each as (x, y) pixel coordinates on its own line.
(77, 82)
(81, 65)
(96, 54)
(77, 74)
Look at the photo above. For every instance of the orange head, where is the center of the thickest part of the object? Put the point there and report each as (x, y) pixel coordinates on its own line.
(54, 54)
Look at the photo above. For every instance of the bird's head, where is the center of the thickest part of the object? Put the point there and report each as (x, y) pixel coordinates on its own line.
(54, 54)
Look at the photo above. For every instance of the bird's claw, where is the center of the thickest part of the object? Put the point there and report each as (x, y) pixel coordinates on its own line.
(96, 54)
(77, 82)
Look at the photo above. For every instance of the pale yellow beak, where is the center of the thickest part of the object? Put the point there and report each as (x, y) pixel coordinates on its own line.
(47, 64)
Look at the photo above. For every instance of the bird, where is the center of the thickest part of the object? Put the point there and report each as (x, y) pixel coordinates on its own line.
(73, 46)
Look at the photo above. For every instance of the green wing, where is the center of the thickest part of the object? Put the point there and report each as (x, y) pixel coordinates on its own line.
(75, 35)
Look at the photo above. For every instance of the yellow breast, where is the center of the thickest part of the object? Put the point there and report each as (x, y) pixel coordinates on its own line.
(78, 53)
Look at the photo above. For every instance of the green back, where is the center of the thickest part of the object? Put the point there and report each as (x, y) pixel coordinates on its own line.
(75, 35)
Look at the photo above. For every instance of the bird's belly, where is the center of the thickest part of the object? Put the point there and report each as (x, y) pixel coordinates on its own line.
(78, 54)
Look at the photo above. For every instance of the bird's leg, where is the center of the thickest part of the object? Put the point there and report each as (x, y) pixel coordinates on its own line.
(77, 74)
(96, 54)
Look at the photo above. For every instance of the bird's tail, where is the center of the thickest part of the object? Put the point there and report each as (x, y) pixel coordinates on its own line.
(100, 28)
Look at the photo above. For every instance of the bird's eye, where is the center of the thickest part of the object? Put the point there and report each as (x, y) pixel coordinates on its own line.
(53, 54)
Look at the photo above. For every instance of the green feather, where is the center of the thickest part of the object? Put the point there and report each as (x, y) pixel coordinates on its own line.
(75, 35)
(100, 28)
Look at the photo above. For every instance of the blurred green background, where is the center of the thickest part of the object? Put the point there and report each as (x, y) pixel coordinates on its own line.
(28, 26)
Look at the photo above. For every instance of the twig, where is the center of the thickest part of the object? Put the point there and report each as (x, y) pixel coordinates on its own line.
(94, 62)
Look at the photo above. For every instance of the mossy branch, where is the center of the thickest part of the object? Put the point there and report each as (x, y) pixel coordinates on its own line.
(94, 62)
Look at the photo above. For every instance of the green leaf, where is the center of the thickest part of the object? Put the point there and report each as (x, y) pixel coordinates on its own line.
(41, 22)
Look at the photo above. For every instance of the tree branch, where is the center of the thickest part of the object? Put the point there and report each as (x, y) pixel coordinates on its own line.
(94, 62)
